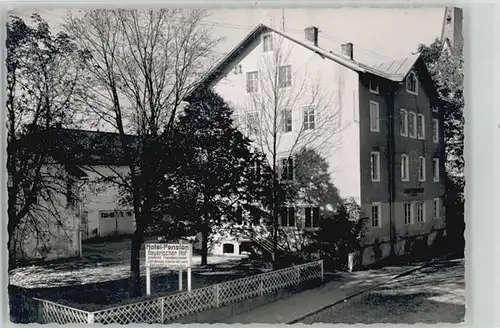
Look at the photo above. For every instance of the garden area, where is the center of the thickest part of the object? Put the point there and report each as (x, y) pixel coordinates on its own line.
(101, 278)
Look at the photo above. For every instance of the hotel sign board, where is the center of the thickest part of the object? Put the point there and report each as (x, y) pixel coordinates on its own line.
(172, 256)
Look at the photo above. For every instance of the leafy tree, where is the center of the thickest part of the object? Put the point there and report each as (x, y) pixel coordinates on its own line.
(217, 179)
(43, 78)
(141, 65)
(340, 233)
(446, 68)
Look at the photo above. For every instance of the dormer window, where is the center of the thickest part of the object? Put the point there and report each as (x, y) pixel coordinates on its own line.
(411, 83)
(374, 87)
(267, 42)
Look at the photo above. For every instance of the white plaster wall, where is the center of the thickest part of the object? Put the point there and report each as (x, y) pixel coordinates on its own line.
(338, 89)
(58, 227)
(100, 196)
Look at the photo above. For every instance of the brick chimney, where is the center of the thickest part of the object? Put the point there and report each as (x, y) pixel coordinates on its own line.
(311, 34)
(347, 50)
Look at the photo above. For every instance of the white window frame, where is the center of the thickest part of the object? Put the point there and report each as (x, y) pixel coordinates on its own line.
(313, 209)
(435, 109)
(377, 171)
(411, 76)
(270, 44)
(405, 168)
(283, 168)
(374, 90)
(254, 114)
(403, 128)
(436, 209)
(378, 206)
(420, 211)
(236, 119)
(408, 213)
(374, 117)
(288, 217)
(287, 82)
(421, 126)
(255, 87)
(306, 113)
(412, 121)
(435, 130)
(435, 169)
(285, 120)
(421, 169)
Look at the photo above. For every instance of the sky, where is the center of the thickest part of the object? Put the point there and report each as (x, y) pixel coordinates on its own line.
(378, 34)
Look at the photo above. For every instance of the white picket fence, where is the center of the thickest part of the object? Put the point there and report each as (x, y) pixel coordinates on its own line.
(170, 308)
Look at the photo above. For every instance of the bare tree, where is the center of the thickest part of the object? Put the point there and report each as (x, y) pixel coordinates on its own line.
(42, 87)
(287, 109)
(142, 63)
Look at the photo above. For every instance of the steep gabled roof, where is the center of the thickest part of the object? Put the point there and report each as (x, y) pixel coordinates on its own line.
(395, 71)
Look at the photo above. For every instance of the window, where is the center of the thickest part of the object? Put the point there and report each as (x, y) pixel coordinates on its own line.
(267, 42)
(421, 126)
(309, 118)
(252, 123)
(435, 109)
(374, 87)
(411, 83)
(256, 169)
(376, 215)
(285, 76)
(435, 130)
(236, 120)
(107, 214)
(403, 122)
(374, 116)
(408, 213)
(252, 82)
(435, 169)
(115, 214)
(287, 120)
(421, 168)
(287, 215)
(420, 211)
(287, 173)
(375, 166)
(405, 168)
(412, 124)
(436, 210)
(312, 217)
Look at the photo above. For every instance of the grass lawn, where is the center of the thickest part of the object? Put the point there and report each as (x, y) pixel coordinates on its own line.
(101, 280)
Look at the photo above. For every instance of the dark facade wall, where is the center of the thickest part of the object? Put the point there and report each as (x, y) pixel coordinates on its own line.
(419, 104)
(373, 141)
(379, 141)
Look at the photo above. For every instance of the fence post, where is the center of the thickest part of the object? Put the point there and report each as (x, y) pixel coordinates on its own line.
(217, 292)
(298, 274)
(39, 308)
(261, 285)
(322, 271)
(162, 304)
(90, 317)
